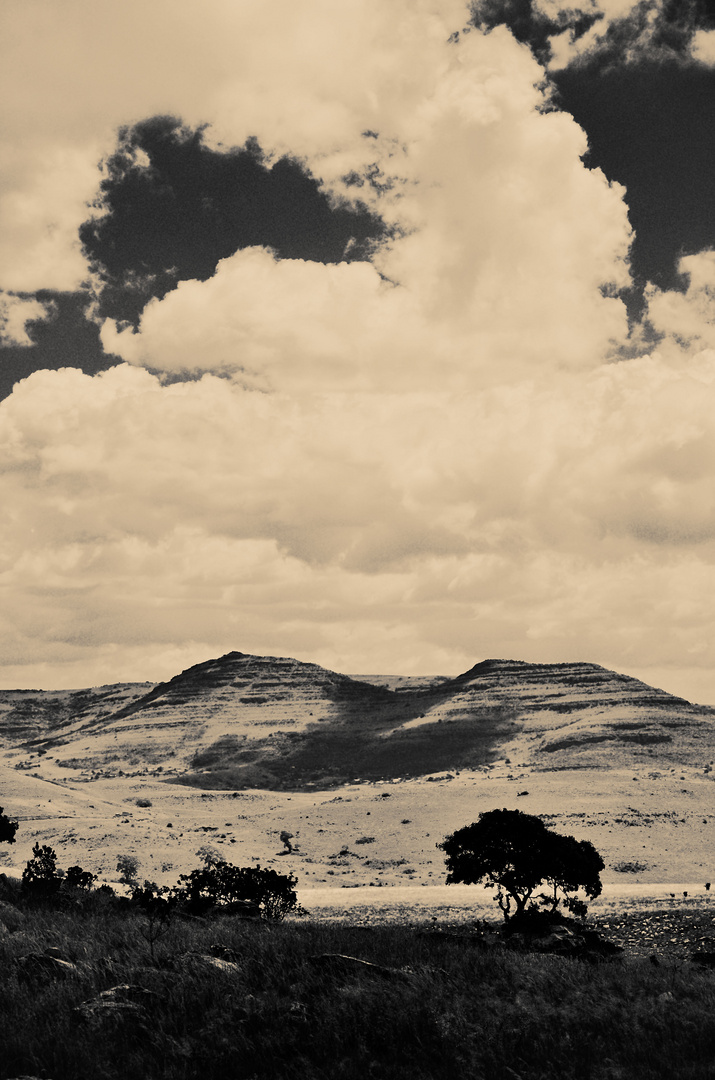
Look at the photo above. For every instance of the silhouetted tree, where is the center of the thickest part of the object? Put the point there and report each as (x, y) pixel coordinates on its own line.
(8, 829)
(514, 853)
(220, 884)
(77, 878)
(40, 878)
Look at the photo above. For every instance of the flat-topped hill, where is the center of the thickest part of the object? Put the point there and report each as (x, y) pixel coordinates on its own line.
(244, 721)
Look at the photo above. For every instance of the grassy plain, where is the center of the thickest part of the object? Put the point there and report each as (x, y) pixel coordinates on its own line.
(433, 1008)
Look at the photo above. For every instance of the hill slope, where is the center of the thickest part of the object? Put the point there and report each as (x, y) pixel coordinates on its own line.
(243, 721)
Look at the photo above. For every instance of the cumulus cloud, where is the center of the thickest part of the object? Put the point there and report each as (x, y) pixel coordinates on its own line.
(508, 255)
(362, 530)
(407, 464)
(15, 313)
(306, 79)
(687, 318)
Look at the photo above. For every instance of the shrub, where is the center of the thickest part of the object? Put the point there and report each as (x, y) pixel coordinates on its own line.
(8, 829)
(285, 839)
(77, 878)
(219, 883)
(514, 853)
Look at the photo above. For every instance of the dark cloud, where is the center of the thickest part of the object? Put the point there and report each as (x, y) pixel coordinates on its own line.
(651, 127)
(66, 339)
(652, 27)
(172, 208)
(530, 25)
(649, 113)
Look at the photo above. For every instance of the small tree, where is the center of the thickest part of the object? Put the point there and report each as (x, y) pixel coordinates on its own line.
(157, 907)
(41, 878)
(514, 853)
(128, 868)
(8, 829)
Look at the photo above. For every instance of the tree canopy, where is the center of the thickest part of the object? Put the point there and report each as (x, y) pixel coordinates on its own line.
(515, 853)
(8, 829)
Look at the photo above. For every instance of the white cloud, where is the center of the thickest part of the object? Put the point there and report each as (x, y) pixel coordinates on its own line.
(687, 318)
(507, 242)
(404, 474)
(703, 47)
(15, 313)
(305, 78)
(365, 531)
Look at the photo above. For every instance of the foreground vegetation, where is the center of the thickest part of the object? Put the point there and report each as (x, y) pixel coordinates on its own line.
(227, 998)
(210, 980)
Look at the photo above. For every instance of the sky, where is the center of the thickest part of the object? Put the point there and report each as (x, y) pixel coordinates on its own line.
(380, 335)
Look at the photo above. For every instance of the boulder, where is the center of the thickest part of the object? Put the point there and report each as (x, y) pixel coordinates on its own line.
(40, 967)
(560, 941)
(242, 909)
(223, 952)
(122, 1003)
(228, 967)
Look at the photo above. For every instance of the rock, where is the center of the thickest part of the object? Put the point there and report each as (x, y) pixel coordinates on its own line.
(340, 966)
(137, 995)
(561, 941)
(10, 917)
(228, 967)
(223, 952)
(122, 1003)
(243, 909)
(41, 967)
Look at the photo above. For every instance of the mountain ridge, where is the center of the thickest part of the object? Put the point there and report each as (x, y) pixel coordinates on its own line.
(246, 721)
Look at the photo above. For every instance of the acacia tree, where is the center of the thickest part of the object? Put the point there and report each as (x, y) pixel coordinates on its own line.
(8, 829)
(514, 853)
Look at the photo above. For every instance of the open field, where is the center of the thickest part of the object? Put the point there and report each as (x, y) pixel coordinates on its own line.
(651, 826)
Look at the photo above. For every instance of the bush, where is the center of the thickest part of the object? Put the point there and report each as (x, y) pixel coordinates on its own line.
(219, 883)
(77, 878)
(8, 829)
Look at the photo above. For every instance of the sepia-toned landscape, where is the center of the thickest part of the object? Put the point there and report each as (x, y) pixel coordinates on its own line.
(376, 966)
(367, 773)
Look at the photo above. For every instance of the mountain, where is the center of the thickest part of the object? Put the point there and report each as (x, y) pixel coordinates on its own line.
(243, 721)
